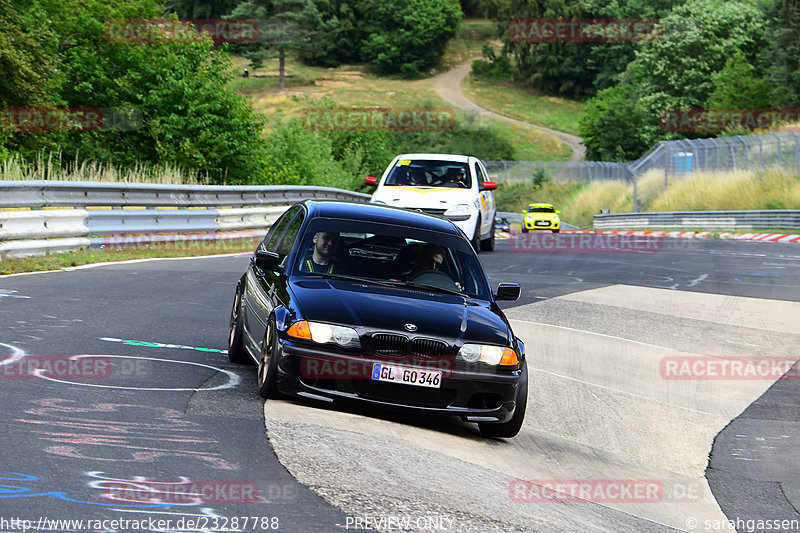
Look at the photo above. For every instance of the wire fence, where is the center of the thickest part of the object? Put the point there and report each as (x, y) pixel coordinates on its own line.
(676, 159)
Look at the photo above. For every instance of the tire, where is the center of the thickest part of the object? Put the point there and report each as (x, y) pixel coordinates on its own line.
(236, 352)
(524, 229)
(476, 237)
(556, 230)
(511, 428)
(487, 245)
(268, 363)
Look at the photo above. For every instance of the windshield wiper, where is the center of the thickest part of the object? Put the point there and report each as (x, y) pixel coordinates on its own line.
(434, 288)
(362, 280)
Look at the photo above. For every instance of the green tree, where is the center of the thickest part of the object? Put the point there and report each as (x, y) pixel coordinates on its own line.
(410, 36)
(784, 52)
(288, 26)
(190, 115)
(607, 128)
(736, 86)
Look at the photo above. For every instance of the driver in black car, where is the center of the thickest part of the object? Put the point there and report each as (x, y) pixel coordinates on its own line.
(322, 258)
(430, 257)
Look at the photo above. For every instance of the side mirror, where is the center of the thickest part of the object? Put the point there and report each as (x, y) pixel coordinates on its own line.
(267, 260)
(508, 291)
(488, 186)
(371, 180)
(558, 211)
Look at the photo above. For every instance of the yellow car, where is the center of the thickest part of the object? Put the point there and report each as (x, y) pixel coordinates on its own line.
(541, 217)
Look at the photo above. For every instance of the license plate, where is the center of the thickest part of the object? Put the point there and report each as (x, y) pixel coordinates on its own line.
(421, 377)
(542, 223)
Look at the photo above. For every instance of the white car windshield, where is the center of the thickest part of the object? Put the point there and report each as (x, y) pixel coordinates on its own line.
(429, 173)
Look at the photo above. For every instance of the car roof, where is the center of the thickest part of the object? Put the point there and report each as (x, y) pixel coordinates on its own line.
(540, 205)
(379, 213)
(437, 157)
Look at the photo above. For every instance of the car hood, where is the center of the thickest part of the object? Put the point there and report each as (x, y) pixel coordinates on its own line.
(389, 309)
(423, 197)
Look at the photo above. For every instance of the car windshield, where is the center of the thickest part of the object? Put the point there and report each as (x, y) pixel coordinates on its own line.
(383, 253)
(541, 210)
(424, 173)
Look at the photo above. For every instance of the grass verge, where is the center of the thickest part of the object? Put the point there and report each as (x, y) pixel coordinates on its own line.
(85, 257)
(522, 103)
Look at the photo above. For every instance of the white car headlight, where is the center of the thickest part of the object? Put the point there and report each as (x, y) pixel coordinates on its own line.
(458, 212)
(489, 354)
(341, 335)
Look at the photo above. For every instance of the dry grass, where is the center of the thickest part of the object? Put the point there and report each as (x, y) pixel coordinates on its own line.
(769, 189)
(50, 167)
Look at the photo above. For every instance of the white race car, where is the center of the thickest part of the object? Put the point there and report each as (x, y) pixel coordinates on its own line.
(455, 186)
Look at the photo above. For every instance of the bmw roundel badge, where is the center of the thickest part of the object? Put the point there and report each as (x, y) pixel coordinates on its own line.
(410, 327)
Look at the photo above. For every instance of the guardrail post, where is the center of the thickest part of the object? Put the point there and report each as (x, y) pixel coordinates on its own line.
(635, 193)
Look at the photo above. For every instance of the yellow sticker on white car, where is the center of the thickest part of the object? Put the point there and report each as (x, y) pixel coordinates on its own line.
(403, 162)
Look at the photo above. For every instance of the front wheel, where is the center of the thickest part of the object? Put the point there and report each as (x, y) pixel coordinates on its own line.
(268, 363)
(236, 351)
(511, 428)
(556, 230)
(476, 237)
(487, 245)
(524, 229)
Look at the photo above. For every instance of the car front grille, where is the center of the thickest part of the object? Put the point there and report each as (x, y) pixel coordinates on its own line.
(432, 211)
(404, 394)
(389, 344)
(428, 348)
(399, 345)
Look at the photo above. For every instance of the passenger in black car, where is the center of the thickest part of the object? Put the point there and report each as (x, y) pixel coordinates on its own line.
(322, 258)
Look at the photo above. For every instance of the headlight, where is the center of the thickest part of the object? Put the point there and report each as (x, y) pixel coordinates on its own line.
(458, 212)
(528, 217)
(555, 219)
(325, 333)
(492, 355)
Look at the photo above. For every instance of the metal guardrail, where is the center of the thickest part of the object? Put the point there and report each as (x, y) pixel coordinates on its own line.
(162, 213)
(709, 220)
(43, 193)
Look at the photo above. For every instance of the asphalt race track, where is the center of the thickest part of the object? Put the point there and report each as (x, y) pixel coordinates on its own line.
(142, 406)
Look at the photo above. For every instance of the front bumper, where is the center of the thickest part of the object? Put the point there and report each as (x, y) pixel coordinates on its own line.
(541, 224)
(473, 395)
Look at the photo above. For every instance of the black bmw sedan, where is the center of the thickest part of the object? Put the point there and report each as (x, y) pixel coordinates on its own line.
(382, 306)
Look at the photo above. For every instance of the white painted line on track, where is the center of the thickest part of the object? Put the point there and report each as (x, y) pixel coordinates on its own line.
(233, 378)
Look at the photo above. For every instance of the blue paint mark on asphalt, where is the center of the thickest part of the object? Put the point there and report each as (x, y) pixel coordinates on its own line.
(11, 491)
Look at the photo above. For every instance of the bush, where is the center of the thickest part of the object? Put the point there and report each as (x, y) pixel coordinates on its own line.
(410, 36)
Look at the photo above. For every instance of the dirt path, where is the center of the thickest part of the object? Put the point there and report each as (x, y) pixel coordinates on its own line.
(448, 85)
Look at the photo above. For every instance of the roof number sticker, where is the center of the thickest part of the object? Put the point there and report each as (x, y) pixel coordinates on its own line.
(403, 162)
